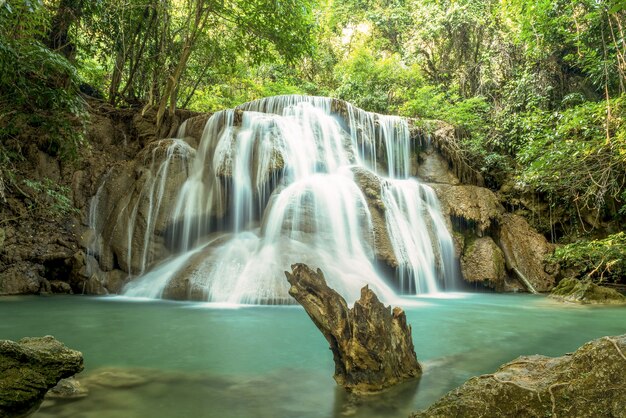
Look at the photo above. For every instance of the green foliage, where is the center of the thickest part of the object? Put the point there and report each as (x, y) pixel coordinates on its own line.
(51, 197)
(372, 83)
(599, 260)
(578, 154)
(39, 87)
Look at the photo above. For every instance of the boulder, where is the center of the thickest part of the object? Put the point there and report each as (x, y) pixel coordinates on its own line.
(29, 368)
(525, 251)
(23, 278)
(483, 262)
(588, 383)
(371, 344)
(472, 207)
(586, 292)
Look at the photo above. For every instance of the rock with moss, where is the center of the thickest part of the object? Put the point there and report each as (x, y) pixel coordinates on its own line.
(371, 344)
(483, 262)
(525, 251)
(586, 292)
(588, 383)
(29, 368)
(475, 207)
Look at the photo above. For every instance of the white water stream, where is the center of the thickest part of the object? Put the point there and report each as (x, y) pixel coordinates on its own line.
(278, 175)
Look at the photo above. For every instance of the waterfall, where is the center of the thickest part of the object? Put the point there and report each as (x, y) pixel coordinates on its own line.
(274, 182)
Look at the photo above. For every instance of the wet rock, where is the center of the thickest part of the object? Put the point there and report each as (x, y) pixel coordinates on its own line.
(370, 185)
(483, 262)
(194, 127)
(588, 383)
(371, 344)
(475, 207)
(525, 250)
(153, 179)
(69, 388)
(29, 368)
(586, 292)
(115, 378)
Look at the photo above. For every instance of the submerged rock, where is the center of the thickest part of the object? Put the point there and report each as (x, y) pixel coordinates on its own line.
(586, 292)
(372, 346)
(69, 388)
(588, 383)
(29, 368)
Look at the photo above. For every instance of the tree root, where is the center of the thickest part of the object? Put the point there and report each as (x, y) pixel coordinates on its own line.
(616, 347)
(555, 385)
(497, 379)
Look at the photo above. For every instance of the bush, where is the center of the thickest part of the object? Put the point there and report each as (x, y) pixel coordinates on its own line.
(599, 260)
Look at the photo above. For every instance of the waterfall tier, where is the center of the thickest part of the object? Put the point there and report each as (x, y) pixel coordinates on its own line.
(278, 181)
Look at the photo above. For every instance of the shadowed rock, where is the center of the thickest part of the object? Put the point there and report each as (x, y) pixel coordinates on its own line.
(371, 345)
(29, 368)
(588, 383)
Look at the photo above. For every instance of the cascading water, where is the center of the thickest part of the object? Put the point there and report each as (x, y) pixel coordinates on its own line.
(277, 177)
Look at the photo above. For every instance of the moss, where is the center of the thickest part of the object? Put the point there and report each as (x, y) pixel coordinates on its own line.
(586, 292)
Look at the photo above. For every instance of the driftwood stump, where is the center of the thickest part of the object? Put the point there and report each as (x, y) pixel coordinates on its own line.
(371, 345)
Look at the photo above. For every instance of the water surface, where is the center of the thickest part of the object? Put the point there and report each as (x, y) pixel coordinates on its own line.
(165, 359)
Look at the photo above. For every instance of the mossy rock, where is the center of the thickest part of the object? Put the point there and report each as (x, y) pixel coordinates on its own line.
(586, 292)
(590, 382)
(29, 368)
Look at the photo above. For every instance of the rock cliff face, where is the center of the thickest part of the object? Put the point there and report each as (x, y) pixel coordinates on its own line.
(525, 250)
(43, 247)
(40, 253)
(588, 383)
(372, 345)
(485, 234)
(29, 368)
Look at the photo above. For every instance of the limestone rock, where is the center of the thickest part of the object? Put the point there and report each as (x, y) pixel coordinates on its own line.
(588, 383)
(23, 278)
(483, 262)
(155, 176)
(29, 368)
(194, 127)
(433, 168)
(442, 137)
(525, 250)
(369, 183)
(474, 206)
(586, 292)
(372, 346)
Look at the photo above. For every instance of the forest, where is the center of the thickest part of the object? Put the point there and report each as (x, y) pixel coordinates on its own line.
(536, 90)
